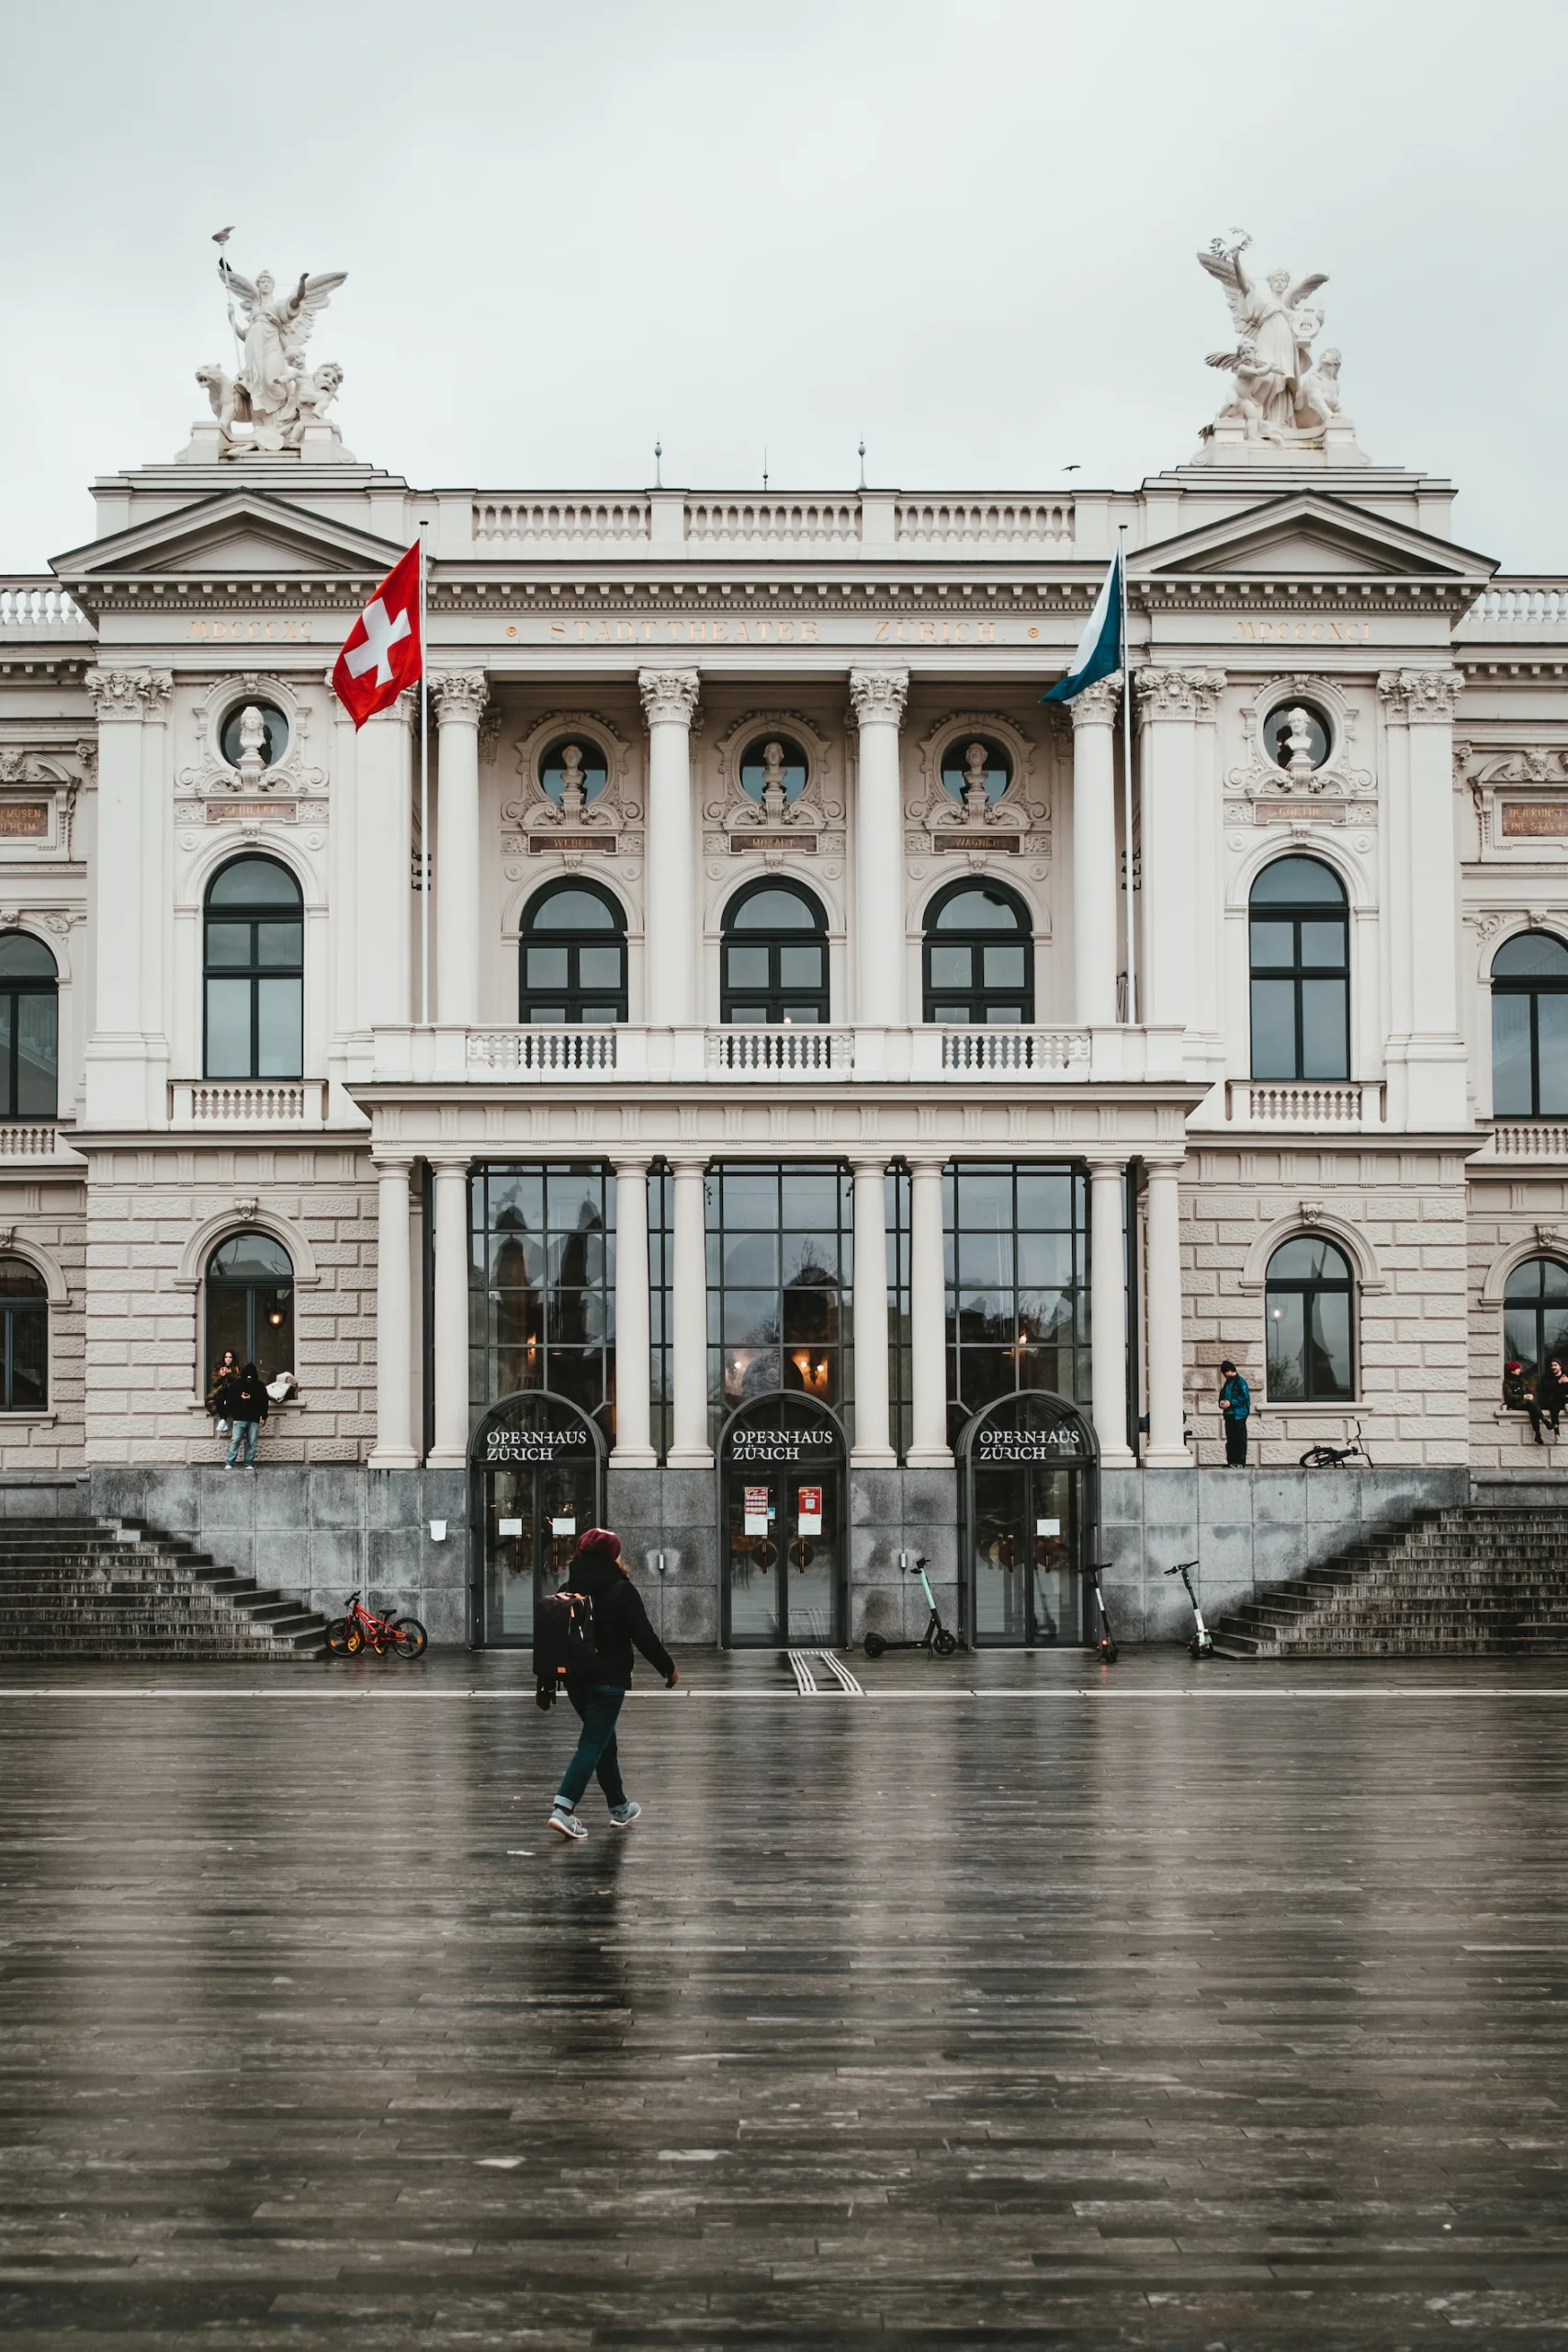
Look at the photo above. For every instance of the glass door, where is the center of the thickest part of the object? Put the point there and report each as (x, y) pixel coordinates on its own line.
(1025, 1561)
(534, 1513)
(784, 1556)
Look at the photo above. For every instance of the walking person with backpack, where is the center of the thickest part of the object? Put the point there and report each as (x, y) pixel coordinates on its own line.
(589, 1649)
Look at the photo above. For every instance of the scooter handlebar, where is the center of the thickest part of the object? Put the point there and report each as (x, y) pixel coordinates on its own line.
(1180, 1566)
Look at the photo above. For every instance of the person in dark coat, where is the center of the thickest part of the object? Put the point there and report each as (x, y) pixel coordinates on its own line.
(225, 1370)
(1550, 1396)
(1235, 1408)
(243, 1403)
(620, 1620)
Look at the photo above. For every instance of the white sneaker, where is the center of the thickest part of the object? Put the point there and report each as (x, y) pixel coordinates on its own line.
(563, 1819)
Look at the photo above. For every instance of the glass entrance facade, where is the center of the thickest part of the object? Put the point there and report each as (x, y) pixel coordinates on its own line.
(1030, 1511)
(542, 1284)
(1017, 1240)
(783, 1521)
(538, 1479)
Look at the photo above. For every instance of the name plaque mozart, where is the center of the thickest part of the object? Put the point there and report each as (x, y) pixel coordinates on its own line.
(27, 819)
(1526, 820)
(740, 843)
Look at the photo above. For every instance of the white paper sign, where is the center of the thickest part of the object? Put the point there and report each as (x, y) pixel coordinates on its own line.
(563, 1527)
(756, 1510)
(1048, 1527)
(509, 1527)
(810, 1509)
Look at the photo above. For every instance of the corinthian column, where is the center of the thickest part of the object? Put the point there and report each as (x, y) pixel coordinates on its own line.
(669, 700)
(459, 696)
(1094, 851)
(1425, 1048)
(1180, 826)
(133, 707)
(878, 698)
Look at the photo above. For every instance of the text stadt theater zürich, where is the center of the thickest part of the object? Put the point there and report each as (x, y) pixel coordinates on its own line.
(779, 1175)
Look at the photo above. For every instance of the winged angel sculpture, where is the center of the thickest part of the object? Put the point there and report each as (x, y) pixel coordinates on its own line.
(1282, 394)
(275, 392)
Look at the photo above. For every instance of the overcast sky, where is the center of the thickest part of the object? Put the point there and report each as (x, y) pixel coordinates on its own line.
(962, 228)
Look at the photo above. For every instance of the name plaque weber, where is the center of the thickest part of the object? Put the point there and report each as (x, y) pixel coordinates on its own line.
(540, 845)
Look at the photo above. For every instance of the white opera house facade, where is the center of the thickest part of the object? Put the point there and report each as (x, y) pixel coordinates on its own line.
(800, 1170)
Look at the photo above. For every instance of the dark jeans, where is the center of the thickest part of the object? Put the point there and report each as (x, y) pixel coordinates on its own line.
(598, 1704)
(1235, 1441)
(245, 1434)
(1538, 1413)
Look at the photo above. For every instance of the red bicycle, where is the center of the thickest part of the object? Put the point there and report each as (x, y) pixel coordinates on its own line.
(363, 1630)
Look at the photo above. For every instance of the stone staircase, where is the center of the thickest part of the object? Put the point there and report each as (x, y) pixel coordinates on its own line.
(84, 1588)
(1487, 1578)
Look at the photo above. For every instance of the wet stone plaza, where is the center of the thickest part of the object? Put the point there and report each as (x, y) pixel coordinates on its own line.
(1012, 2003)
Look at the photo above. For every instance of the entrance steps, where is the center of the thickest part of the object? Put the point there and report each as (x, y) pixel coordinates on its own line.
(1485, 1578)
(105, 1588)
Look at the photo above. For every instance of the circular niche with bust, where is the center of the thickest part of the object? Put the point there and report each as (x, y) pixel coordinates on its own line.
(1297, 736)
(572, 771)
(975, 770)
(773, 771)
(254, 735)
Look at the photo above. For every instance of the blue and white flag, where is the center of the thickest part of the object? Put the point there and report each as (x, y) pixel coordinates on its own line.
(1099, 648)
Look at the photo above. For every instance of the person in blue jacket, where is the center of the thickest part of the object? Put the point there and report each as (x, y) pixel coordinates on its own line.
(1235, 1405)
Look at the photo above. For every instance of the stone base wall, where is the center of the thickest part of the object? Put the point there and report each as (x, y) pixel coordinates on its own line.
(47, 1217)
(1519, 1215)
(319, 1532)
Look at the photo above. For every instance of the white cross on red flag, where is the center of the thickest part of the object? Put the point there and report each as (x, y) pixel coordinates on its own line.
(382, 653)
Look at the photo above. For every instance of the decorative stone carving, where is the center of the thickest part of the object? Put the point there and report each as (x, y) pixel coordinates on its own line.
(616, 812)
(1099, 704)
(668, 695)
(460, 695)
(1520, 792)
(130, 694)
(1333, 781)
(815, 815)
(275, 405)
(1421, 695)
(293, 775)
(1176, 694)
(1021, 814)
(878, 695)
(1284, 399)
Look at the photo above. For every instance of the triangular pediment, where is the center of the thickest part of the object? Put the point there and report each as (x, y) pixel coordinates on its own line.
(236, 532)
(1312, 536)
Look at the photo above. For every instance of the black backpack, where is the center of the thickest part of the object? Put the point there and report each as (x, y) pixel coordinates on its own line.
(563, 1644)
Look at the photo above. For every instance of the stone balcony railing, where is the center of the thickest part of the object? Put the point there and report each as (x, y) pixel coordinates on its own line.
(31, 1140)
(216, 1103)
(1306, 1103)
(1526, 1139)
(39, 608)
(1534, 610)
(880, 524)
(630, 1055)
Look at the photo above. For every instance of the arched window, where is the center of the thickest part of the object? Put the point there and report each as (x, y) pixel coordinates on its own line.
(29, 1028)
(979, 960)
(1535, 1316)
(23, 1330)
(1529, 1028)
(254, 966)
(1307, 1296)
(573, 956)
(1300, 971)
(775, 956)
(249, 1302)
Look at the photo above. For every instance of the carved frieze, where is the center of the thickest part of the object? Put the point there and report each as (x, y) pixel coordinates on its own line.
(1521, 796)
(1165, 692)
(878, 695)
(1421, 697)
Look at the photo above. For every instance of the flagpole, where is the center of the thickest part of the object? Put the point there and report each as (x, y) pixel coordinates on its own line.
(424, 793)
(1127, 776)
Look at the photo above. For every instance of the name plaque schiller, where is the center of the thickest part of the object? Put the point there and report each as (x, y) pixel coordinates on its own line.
(779, 1445)
(28, 818)
(250, 812)
(1530, 819)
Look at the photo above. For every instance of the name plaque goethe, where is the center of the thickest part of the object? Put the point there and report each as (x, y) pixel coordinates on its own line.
(757, 1445)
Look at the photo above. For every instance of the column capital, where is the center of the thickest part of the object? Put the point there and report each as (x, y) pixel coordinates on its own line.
(1103, 1163)
(130, 694)
(878, 695)
(927, 1163)
(1176, 694)
(1097, 705)
(688, 1163)
(394, 1163)
(460, 695)
(1421, 695)
(866, 1163)
(669, 695)
(630, 1163)
(450, 1164)
(1163, 1163)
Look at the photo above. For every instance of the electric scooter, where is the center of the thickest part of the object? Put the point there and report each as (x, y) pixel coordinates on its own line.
(1200, 1642)
(1105, 1649)
(936, 1638)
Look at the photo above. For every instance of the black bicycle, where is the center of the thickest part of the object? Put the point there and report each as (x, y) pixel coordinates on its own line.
(1334, 1457)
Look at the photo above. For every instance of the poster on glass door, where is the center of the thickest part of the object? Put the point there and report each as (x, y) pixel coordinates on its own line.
(756, 1510)
(810, 1511)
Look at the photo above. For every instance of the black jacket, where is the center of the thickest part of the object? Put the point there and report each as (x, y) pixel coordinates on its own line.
(244, 1401)
(619, 1620)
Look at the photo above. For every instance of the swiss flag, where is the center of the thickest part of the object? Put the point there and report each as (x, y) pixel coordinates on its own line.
(382, 653)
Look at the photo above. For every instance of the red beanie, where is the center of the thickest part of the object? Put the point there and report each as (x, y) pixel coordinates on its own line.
(599, 1539)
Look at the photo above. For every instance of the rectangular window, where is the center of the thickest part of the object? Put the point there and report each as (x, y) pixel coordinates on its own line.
(37, 1056)
(27, 1358)
(779, 1250)
(1017, 1251)
(542, 1284)
(228, 1029)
